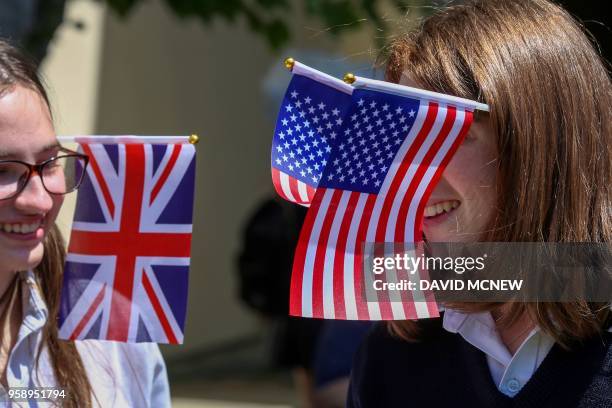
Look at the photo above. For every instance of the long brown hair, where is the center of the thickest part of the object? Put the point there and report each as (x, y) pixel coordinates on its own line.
(16, 69)
(551, 109)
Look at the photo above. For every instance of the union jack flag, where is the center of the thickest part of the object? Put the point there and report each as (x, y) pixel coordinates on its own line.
(388, 153)
(126, 272)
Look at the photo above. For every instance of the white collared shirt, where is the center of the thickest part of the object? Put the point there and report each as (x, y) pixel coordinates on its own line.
(510, 372)
(120, 374)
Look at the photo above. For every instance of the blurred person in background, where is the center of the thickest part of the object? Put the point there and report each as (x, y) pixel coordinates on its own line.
(32, 185)
(318, 352)
(537, 168)
(264, 268)
(333, 359)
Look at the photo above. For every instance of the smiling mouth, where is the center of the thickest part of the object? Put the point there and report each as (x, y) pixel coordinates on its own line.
(440, 208)
(20, 228)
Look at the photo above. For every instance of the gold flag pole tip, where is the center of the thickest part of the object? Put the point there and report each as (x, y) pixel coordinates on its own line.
(349, 78)
(289, 62)
(194, 139)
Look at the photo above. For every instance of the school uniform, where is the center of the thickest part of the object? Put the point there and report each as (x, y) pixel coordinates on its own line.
(120, 374)
(461, 362)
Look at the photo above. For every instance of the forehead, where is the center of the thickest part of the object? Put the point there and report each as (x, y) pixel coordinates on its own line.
(25, 123)
(481, 119)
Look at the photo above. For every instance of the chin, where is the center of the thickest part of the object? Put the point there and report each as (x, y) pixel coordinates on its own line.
(23, 260)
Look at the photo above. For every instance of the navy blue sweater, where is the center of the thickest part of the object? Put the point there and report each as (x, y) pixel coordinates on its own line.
(443, 370)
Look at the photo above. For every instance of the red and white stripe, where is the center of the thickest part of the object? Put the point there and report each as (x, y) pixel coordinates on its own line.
(292, 189)
(328, 279)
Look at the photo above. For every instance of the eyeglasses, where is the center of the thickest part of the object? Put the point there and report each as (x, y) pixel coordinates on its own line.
(59, 175)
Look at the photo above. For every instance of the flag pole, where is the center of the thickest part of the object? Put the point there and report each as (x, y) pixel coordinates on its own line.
(297, 68)
(130, 139)
(351, 82)
(403, 90)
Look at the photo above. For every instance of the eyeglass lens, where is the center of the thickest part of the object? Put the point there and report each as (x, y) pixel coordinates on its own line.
(59, 176)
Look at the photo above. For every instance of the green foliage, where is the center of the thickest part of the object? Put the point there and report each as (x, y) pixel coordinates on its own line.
(271, 18)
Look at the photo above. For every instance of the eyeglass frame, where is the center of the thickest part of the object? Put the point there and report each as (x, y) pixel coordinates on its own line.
(38, 167)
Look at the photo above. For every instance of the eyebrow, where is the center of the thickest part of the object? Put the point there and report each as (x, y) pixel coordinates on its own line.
(5, 154)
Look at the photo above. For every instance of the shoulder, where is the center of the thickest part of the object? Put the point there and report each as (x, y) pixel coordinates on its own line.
(382, 347)
(599, 391)
(385, 363)
(132, 357)
(604, 344)
(114, 347)
(130, 373)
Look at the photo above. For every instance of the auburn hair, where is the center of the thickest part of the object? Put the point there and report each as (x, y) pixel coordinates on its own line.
(550, 100)
(18, 70)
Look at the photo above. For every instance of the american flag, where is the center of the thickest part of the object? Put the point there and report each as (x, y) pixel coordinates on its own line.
(126, 273)
(310, 120)
(375, 180)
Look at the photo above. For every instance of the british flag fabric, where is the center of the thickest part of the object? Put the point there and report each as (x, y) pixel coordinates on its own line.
(127, 267)
(381, 156)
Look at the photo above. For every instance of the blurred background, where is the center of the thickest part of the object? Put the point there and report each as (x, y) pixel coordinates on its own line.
(214, 68)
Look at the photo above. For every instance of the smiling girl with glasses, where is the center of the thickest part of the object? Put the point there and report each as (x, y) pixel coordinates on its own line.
(35, 174)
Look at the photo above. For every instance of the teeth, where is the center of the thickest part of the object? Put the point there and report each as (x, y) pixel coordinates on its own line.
(20, 228)
(439, 208)
(28, 228)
